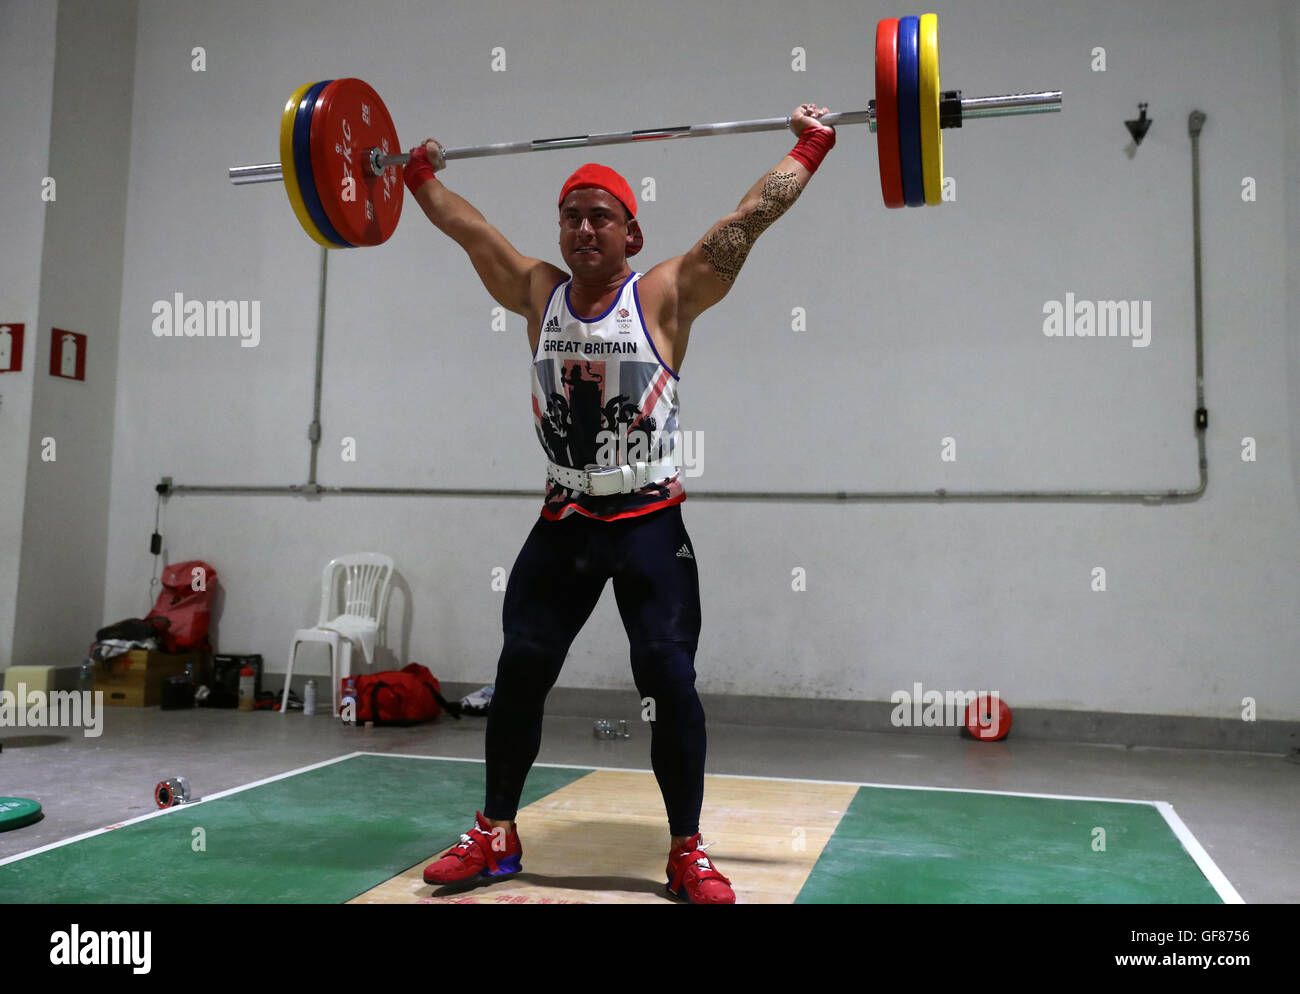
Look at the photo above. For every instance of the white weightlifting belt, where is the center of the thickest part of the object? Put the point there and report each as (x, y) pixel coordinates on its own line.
(598, 481)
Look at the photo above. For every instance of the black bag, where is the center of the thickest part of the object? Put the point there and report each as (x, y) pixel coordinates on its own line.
(225, 673)
(218, 696)
(177, 693)
(134, 630)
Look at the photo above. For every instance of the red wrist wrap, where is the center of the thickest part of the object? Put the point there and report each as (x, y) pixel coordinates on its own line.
(419, 170)
(812, 147)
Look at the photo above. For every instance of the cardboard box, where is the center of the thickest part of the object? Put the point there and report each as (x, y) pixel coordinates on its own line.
(31, 677)
(44, 678)
(135, 679)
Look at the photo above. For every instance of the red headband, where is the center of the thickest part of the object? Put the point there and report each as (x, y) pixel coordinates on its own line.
(594, 175)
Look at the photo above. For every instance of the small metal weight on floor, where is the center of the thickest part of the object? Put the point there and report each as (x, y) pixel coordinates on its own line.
(171, 792)
(603, 728)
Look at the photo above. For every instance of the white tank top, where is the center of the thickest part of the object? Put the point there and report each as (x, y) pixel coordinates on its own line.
(603, 395)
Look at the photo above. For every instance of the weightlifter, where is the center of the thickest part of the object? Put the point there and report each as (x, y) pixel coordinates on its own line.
(607, 345)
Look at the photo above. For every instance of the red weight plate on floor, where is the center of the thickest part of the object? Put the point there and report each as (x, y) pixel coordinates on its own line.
(348, 121)
(891, 175)
(988, 718)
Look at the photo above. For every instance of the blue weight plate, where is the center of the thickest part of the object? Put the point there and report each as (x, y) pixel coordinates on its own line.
(302, 165)
(909, 110)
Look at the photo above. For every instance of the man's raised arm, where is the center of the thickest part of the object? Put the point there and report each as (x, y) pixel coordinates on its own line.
(706, 273)
(506, 273)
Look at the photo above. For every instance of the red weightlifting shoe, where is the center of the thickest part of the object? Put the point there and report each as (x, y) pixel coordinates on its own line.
(482, 852)
(693, 877)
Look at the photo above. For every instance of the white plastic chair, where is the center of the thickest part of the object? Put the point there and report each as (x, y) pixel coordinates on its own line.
(364, 578)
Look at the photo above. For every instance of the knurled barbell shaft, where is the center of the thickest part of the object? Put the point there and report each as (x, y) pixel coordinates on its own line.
(1043, 102)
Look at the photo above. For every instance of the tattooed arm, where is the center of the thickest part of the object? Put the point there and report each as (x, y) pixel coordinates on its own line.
(728, 242)
(694, 282)
(688, 285)
(711, 267)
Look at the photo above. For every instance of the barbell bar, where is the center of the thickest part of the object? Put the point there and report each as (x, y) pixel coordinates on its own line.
(338, 145)
(1006, 105)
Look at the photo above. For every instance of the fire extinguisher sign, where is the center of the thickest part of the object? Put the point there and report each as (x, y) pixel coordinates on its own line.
(11, 348)
(68, 355)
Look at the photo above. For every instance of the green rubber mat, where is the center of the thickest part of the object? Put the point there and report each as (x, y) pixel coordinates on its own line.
(321, 836)
(329, 833)
(915, 846)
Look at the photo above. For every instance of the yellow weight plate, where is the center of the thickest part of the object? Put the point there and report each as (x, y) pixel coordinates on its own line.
(931, 135)
(290, 174)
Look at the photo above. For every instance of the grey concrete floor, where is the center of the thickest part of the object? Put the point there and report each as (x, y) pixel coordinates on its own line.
(1244, 808)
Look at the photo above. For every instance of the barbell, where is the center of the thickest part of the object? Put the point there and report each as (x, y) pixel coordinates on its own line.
(339, 149)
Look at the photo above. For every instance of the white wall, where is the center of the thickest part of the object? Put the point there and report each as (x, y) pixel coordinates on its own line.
(921, 324)
(27, 80)
(65, 515)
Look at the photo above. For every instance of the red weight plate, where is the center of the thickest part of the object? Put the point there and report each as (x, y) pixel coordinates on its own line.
(891, 175)
(988, 718)
(350, 120)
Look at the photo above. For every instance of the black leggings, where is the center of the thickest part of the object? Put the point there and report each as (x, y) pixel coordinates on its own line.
(553, 588)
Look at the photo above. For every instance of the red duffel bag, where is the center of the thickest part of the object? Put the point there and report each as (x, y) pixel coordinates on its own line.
(398, 697)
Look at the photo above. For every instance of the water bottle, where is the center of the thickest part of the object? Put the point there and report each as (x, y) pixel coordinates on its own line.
(86, 681)
(309, 698)
(349, 711)
(247, 685)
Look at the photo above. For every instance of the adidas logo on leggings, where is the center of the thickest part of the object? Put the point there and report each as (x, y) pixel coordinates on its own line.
(684, 553)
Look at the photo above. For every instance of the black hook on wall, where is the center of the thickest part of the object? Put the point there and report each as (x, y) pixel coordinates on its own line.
(1138, 127)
